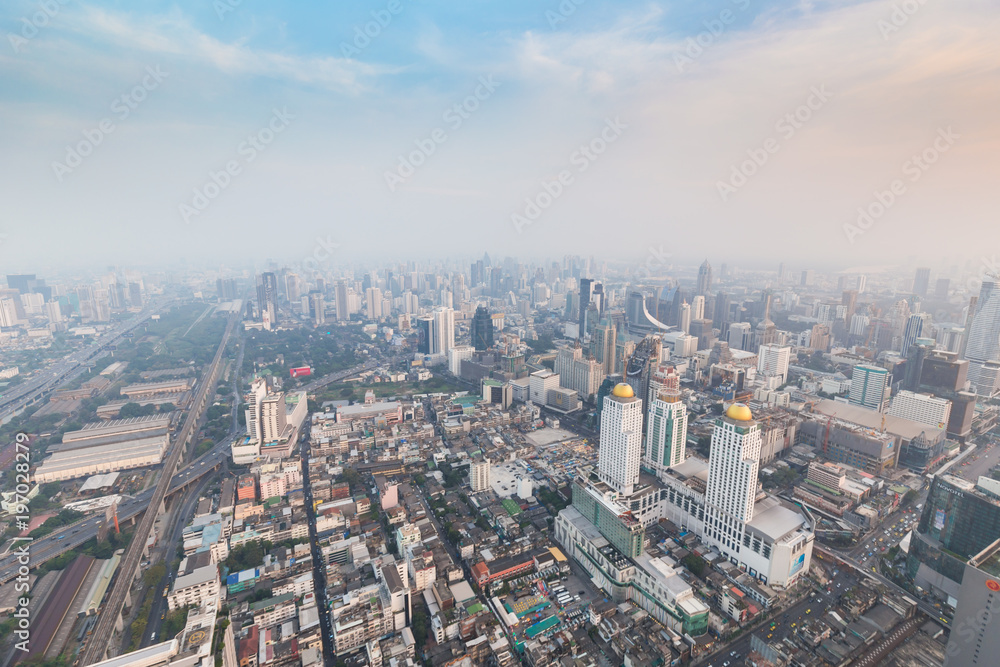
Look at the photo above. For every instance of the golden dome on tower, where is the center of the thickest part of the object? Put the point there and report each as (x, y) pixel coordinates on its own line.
(740, 412)
(623, 390)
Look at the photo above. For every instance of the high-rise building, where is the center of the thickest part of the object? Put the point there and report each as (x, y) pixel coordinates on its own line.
(620, 450)
(373, 297)
(479, 475)
(740, 336)
(482, 329)
(862, 283)
(732, 477)
(341, 302)
(849, 300)
(869, 386)
(444, 330)
(685, 318)
(698, 307)
(772, 361)
(666, 432)
(974, 640)
(267, 298)
(704, 279)
(983, 342)
(585, 284)
(922, 281)
(922, 408)
(317, 308)
(941, 288)
(917, 325)
(425, 334)
(602, 345)
(254, 398)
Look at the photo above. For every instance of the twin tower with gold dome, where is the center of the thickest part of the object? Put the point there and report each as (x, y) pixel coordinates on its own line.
(737, 411)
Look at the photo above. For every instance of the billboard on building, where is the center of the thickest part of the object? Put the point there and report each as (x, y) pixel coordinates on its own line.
(302, 371)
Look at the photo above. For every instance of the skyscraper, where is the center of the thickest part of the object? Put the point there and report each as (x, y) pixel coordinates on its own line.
(585, 284)
(621, 439)
(983, 344)
(868, 387)
(267, 298)
(772, 361)
(917, 325)
(317, 308)
(602, 345)
(704, 278)
(373, 295)
(922, 281)
(340, 297)
(444, 330)
(732, 477)
(666, 433)
(482, 329)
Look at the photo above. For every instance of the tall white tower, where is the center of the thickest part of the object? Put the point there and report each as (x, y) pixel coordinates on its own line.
(732, 476)
(621, 439)
(666, 433)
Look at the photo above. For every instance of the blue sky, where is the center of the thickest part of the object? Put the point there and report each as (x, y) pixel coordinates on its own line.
(689, 117)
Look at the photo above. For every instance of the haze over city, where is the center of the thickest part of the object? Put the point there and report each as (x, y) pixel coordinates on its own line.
(698, 88)
(532, 333)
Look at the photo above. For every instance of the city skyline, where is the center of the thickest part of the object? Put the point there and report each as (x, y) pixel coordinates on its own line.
(662, 90)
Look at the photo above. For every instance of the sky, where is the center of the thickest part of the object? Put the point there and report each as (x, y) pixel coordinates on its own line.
(212, 132)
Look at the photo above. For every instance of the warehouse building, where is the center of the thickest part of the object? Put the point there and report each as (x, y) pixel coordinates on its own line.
(104, 447)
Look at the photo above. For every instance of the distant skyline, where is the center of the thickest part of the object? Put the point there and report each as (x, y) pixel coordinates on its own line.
(297, 121)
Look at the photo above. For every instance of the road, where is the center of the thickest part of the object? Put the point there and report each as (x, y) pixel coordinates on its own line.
(110, 612)
(335, 377)
(179, 518)
(69, 537)
(319, 565)
(46, 380)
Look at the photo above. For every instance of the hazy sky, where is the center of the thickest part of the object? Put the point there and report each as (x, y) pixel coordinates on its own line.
(115, 117)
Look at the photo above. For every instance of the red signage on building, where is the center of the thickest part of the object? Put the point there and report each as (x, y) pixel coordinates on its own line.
(302, 371)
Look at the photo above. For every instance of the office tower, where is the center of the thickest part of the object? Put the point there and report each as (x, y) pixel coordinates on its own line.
(621, 440)
(732, 477)
(273, 417)
(267, 298)
(479, 475)
(602, 345)
(293, 288)
(8, 313)
(340, 300)
(581, 374)
(597, 296)
(482, 328)
(685, 318)
(721, 312)
(698, 307)
(317, 308)
(53, 311)
(425, 334)
(917, 325)
(539, 385)
(585, 284)
(443, 331)
(666, 431)
(922, 408)
(849, 300)
(476, 274)
(862, 283)
(373, 297)
(704, 279)
(949, 337)
(975, 638)
(983, 344)
(772, 361)
(869, 386)
(922, 281)
(740, 336)
(807, 278)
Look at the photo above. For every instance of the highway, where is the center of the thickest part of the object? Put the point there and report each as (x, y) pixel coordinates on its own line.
(72, 536)
(334, 377)
(46, 380)
(110, 612)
